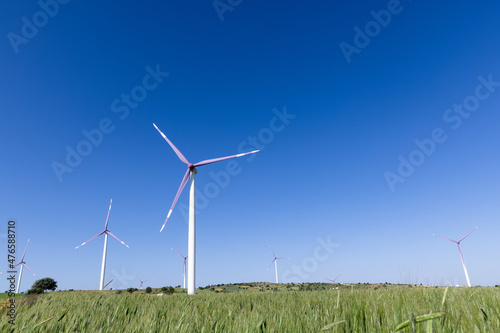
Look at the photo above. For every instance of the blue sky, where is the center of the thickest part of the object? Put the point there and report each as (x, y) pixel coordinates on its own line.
(347, 181)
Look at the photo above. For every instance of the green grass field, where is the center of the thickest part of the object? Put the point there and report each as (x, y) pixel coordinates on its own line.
(258, 308)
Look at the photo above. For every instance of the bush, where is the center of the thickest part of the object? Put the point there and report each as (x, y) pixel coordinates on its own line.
(168, 290)
(131, 290)
(35, 291)
(45, 284)
(118, 291)
(149, 290)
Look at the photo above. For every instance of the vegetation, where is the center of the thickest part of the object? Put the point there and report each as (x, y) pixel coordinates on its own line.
(167, 290)
(281, 308)
(45, 284)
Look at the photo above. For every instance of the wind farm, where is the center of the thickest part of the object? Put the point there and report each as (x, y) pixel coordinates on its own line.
(329, 157)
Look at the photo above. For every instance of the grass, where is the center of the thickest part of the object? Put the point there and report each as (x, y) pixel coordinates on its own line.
(417, 309)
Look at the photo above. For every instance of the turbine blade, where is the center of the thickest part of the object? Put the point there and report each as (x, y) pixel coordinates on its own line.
(179, 154)
(24, 253)
(281, 258)
(272, 262)
(109, 233)
(333, 279)
(11, 268)
(28, 269)
(213, 160)
(461, 239)
(137, 277)
(272, 251)
(177, 253)
(179, 191)
(99, 234)
(107, 217)
(451, 240)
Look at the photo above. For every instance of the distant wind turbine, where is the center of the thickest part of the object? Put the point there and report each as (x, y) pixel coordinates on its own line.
(275, 260)
(23, 264)
(142, 281)
(183, 267)
(333, 281)
(190, 173)
(460, 251)
(106, 232)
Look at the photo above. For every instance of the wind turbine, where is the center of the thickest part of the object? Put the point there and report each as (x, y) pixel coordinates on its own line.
(275, 260)
(141, 281)
(190, 173)
(106, 232)
(460, 251)
(333, 281)
(183, 267)
(23, 264)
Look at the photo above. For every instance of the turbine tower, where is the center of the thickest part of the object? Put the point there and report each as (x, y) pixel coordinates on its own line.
(106, 232)
(460, 251)
(275, 260)
(190, 173)
(23, 264)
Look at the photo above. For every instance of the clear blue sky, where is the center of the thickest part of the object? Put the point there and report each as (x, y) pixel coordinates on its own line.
(356, 102)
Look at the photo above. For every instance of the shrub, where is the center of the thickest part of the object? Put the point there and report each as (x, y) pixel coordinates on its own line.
(149, 290)
(131, 290)
(168, 290)
(35, 291)
(118, 291)
(45, 284)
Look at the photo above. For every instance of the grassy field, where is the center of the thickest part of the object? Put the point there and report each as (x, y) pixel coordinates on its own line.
(257, 308)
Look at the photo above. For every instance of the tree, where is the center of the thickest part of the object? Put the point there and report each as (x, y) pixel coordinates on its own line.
(148, 290)
(167, 290)
(45, 284)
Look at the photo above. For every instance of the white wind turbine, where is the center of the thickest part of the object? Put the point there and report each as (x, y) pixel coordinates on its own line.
(275, 260)
(190, 173)
(333, 281)
(23, 264)
(106, 232)
(141, 281)
(460, 251)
